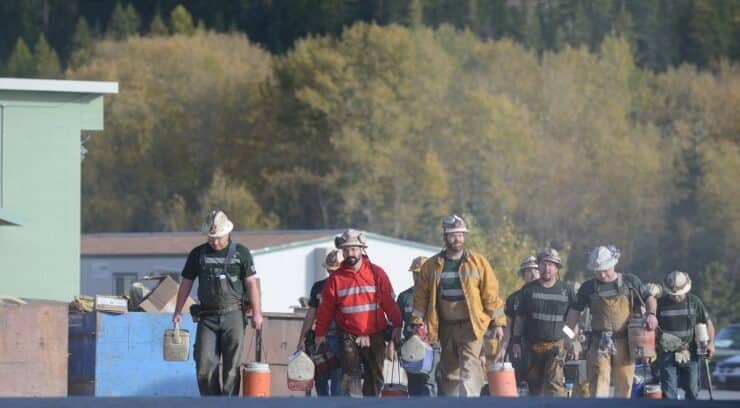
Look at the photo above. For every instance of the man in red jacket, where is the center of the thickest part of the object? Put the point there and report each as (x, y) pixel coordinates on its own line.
(360, 298)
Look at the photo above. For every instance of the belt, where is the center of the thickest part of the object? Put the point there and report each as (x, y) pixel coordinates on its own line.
(619, 335)
(541, 346)
(215, 312)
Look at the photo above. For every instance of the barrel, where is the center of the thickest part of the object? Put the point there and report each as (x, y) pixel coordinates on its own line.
(652, 391)
(641, 340)
(256, 380)
(501, 380)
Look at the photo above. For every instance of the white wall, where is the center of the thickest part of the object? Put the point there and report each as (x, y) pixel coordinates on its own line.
(285, 274)
(288, 274)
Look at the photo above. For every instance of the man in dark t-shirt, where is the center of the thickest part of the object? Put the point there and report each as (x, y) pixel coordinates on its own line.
(226, 274)
(678, 314)
(328, 373)
(528, 271)
(540, 320)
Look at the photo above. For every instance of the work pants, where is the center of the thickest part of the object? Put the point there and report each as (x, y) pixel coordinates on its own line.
(329, 383)
(219, 339)
(425, 385)
(461, 374)
(602, 370)
(674, 375)
(362, 363)
(545, 370)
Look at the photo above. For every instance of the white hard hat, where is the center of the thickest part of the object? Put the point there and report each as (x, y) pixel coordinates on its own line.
(603, 258)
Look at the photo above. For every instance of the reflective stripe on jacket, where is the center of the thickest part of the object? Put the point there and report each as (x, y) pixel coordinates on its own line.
(479, 285)
(361, 302)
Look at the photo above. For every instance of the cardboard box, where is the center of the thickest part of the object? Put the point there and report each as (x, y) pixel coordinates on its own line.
(112, 304)
(163, 298)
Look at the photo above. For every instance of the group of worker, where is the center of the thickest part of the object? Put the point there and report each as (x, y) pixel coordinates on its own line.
(356, 322)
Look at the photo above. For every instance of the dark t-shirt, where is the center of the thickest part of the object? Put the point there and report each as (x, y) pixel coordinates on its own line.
(680, 318)
(512, 305)
(405, 303)
(315, 298)
(544, 310)
(450, 286)
(607, 289)
(203, 260)
(314, 301)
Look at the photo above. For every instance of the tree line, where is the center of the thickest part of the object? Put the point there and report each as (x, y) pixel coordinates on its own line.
(662, 33)
(389, 127)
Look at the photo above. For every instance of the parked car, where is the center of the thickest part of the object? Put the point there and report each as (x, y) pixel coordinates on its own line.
(727, 373)
(727, 342)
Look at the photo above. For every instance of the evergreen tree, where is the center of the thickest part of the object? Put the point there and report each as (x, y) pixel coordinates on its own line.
(710, 31)
(82, 37)
(124, 22)
(415, 13)
(158, 27)
(20, 63)
(580, 32)
(46, 59)
(531, 34)
(181, 22)
(134, 21)
(201, 27)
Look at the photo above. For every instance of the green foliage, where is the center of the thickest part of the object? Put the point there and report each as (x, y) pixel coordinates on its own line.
(718, 291)
(158, 27)
(181, 22)
(82, 37)
(662, 33)
(175, 121)
(46, 60)
(124, 22)
(20, 63)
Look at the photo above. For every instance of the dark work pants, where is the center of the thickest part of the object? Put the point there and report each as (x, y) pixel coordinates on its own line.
(425, 385)
(219, 337)
(362, 363)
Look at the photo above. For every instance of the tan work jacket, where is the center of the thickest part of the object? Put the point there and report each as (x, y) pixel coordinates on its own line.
(479, 285)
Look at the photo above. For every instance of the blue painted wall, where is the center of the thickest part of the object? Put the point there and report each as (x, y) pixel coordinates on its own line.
(121, 355)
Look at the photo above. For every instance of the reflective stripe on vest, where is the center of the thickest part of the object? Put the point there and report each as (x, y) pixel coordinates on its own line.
(549, 296)
(675, 312)
(220, 261)
(359, 308)
(547, 317)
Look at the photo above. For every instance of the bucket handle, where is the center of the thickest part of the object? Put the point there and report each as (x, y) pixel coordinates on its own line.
(176, 338)
(258, 346)
(396, 363)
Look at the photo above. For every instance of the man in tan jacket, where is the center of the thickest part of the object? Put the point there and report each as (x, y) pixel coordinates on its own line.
(456, 301)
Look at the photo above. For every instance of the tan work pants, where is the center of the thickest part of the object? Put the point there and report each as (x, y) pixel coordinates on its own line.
(545, 370)
(602, 370)
(460, 371)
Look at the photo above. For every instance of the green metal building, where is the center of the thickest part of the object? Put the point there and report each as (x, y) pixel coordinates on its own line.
(41, 123)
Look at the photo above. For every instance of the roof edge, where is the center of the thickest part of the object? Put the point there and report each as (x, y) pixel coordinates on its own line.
(58, 85)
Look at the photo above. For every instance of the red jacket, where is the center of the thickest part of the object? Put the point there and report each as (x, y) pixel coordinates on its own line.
(358, 301)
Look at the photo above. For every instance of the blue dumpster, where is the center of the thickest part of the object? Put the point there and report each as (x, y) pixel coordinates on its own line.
(121, 355)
